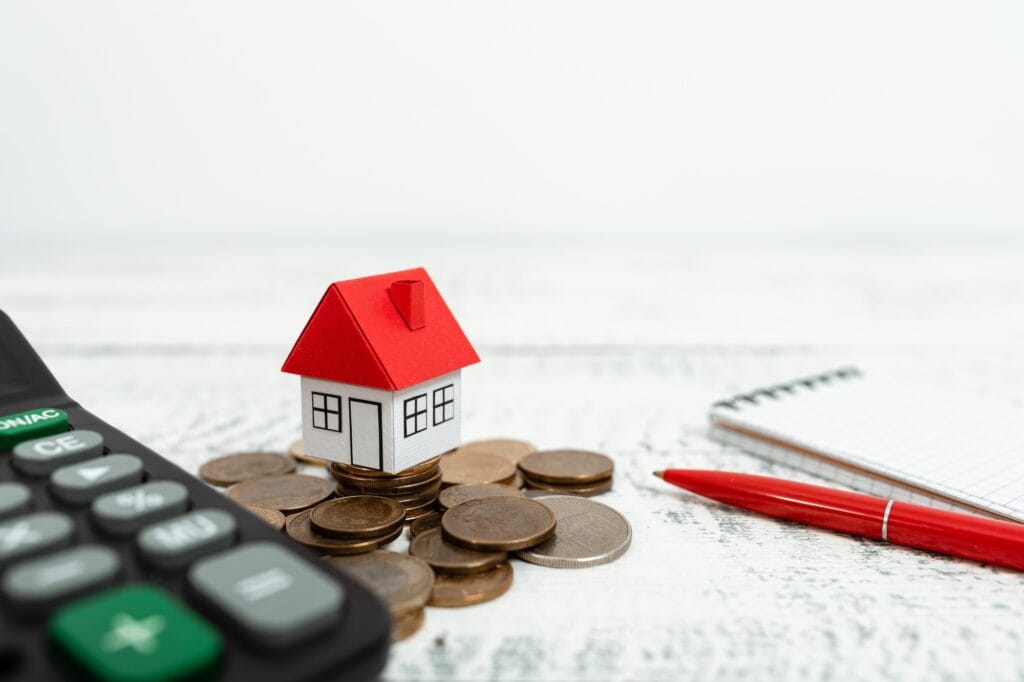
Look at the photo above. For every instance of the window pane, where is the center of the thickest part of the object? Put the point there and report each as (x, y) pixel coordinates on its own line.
(409, 408)
(410, 426)
(438, 414)
(421, 422)
(449, 393)
(449, 411)
(333, 422)
(421, 403)
(318, 420)
(318, 400)
(332, 403)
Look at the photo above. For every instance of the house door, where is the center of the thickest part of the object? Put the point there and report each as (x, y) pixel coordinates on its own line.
(365, 435)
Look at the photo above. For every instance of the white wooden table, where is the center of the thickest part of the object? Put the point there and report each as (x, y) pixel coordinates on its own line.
(615, 347)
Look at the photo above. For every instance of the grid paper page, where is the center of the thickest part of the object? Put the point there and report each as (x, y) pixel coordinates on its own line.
(946, 442)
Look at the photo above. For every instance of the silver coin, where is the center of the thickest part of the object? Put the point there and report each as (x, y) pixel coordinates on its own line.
(587, 533)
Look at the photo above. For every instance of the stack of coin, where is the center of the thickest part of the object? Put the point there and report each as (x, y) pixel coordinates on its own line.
(462, 467)
(463, 576)
(404, 582)
(578, 472)
(348, 525)
(415, 488)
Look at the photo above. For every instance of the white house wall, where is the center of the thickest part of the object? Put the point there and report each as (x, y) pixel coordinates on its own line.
(435, 439)
(336, 446)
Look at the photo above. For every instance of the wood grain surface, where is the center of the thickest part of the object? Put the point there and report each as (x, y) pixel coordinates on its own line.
(616, 348)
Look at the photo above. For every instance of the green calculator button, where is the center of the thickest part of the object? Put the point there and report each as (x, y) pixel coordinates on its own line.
(44, 421)
(136, 633)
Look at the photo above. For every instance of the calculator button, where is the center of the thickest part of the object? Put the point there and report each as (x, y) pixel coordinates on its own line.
(135, 633)
(276, 598)
(179, 541)
(14, 499)
(43, 421)
(125, 511)
(23, 536)
(49, 579)
(40, 456)
(79, 483)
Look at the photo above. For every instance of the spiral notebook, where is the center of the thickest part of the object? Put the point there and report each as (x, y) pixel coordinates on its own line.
(906, 441)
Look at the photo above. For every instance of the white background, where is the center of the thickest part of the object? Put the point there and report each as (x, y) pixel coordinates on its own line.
(301, 122)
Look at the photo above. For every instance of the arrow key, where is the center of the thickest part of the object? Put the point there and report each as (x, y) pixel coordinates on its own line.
(80, 483)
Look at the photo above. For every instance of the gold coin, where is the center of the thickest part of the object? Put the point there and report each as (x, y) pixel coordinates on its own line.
(288, 493)
(574, 467)
(298, 452)
(457, 494)
(231, 469)
(405, 625)
(361, 516)
(584, 489)
(424, 523)
(474, 467)
(298, 528)
(403, 581)
(506, 448)
(474, 588)
(499, 523)
(445, 557)
(376, 473)
(271, 517)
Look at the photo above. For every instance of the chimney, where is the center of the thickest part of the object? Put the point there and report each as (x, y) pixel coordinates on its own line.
(407, 295)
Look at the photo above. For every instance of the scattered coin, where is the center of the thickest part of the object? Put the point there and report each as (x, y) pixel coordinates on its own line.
(272, 517)
(299, 529)
(405, 625)
(499, 523)
(287, 493)
(403, 581)
(445, 557)
(426, 522)
(566, 467)
(362, 516)
(298, 452)
(230, 469)
(475, 588)
(588, 534)
(584, 489)
(506, 448)
(457, 494)
(475, 467)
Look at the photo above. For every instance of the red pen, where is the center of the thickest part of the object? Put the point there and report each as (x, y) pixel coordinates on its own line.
(900, 523)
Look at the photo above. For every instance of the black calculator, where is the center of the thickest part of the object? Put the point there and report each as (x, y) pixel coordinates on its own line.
(115, 564)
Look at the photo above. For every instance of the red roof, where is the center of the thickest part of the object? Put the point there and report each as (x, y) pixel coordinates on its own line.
(357, 335)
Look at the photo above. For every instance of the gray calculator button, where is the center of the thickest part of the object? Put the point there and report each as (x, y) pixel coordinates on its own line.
(125, 511)
(14, 498)
(42, 455)
(276, 598)
(179, 541)
(79, 483)
(30, 534)
(54, 577)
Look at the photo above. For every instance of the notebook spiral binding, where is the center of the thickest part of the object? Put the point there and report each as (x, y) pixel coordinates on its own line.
(774, 392)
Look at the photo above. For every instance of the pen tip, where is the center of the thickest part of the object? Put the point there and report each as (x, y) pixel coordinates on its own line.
(659, 474)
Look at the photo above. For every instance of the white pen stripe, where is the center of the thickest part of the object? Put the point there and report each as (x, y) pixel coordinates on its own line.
(885, 521)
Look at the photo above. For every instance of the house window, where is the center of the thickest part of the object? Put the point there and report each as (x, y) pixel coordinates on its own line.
(444, 404)
(415, 415)
(326, 411)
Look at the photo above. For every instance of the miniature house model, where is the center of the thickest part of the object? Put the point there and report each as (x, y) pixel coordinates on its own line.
(381, 361)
